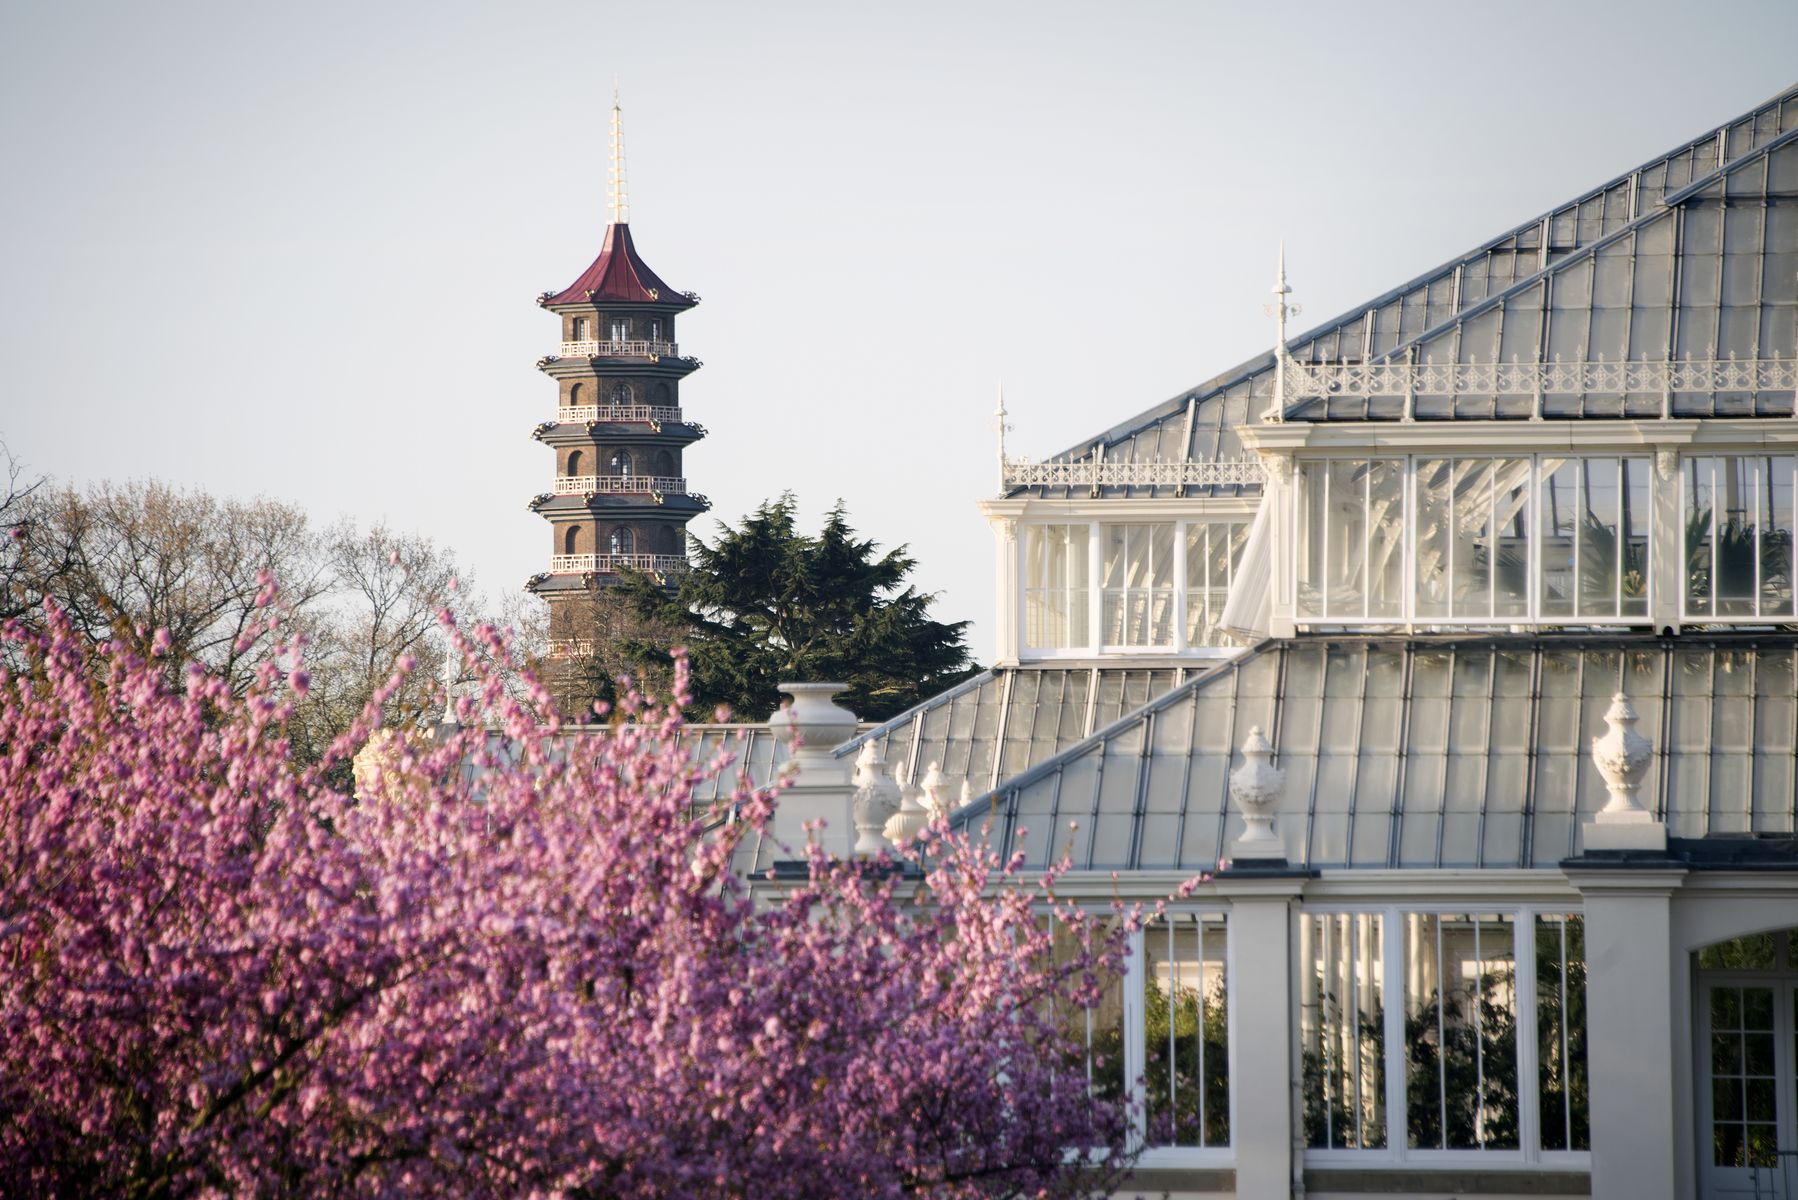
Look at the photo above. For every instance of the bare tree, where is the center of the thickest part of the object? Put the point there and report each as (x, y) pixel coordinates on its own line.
(36, 554)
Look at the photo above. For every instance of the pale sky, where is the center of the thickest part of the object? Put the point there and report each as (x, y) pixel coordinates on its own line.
(293, 249)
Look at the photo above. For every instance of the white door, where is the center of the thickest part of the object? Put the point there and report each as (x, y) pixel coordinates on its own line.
(1746, 1096)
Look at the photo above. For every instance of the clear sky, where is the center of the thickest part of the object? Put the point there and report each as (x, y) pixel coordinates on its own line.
(293, 248)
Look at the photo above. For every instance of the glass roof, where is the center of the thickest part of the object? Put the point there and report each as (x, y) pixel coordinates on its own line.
(1593, 278)
(1003, 722)
(1423, 752)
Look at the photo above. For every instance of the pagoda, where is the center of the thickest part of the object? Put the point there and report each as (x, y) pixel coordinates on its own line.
(619, 501)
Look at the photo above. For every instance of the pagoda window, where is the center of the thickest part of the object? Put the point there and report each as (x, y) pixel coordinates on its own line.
(1738, 514)
(1055, 587)
(574, 393)
(620, 462)
(621, 329)
(577, 331)
(654, 332)
(574, 464)
(664, 463)
(623, 541)
(1137, 600)
(571, 540)
(621, 393)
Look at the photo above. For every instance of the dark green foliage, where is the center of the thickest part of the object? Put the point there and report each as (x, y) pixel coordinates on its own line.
(1329, 1081)
(1561, 1037)
(1461, 1068)
(1179, 1123)
(1732, 575)
(765, 603)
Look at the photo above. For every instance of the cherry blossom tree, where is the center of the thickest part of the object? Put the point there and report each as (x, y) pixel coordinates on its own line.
(519, 964)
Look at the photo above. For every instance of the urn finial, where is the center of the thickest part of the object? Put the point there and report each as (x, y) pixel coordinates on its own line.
(876, 800)
(1622, 756)
(1255, 787)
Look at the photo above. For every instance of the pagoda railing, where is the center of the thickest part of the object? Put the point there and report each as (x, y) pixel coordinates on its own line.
(651, 564)
(625, 349)
(593, 485)
(645, 413)
(1540, 378)
(1241, 472)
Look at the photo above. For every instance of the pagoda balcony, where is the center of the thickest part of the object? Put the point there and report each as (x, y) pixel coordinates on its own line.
(587, 564)
(643, 485)
(624, 414)
(624, 349)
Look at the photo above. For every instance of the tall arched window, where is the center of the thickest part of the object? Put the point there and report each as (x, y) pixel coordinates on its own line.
(620, 462)
(574, 463)
(664, 463)
(623, 541)
(662, 395)
(574, 394)
(571, 540)
(621, 393)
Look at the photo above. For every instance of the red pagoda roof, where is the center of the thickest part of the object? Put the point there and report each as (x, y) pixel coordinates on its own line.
(619, 274)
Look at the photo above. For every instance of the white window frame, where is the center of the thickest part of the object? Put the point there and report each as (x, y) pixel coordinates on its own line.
(1529, 1156)
(1094, 647)
(1684, 500)
(1408, 615)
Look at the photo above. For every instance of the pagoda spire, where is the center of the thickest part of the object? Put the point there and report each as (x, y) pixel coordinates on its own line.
(621, 205)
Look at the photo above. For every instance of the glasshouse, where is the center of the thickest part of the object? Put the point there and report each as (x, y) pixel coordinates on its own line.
(1457, 637)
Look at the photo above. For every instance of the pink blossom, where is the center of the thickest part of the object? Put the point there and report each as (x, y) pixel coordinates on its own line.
(535, 976)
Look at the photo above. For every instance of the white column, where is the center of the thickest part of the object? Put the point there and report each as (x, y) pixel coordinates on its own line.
(1666, 529)
(1630, 1042)
(1263, 1031)
(1277, 492)
(1008, 597)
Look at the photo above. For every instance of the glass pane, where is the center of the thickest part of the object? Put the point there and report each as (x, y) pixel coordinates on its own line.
(1186, 1036)
(1744, 1099)
(1755, 952)
(1055, 595)
(1562, 1090)
(1460, 1032)
(1213, 554)
(1093, 1037)
(1138, 602)
(1560, 536)
(1342, 1030)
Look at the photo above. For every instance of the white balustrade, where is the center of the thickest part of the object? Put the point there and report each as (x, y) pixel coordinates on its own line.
(652, 564)
(624, 413)
(1540, 378)
(1150, 473)
(622, 349)
(592, 485)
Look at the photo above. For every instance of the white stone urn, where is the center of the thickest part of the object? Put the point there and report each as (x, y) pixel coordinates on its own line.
(876, 801)
(1255, 787)
(913, 815)
(811, 726)
(935, 788)
(1622, 756)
